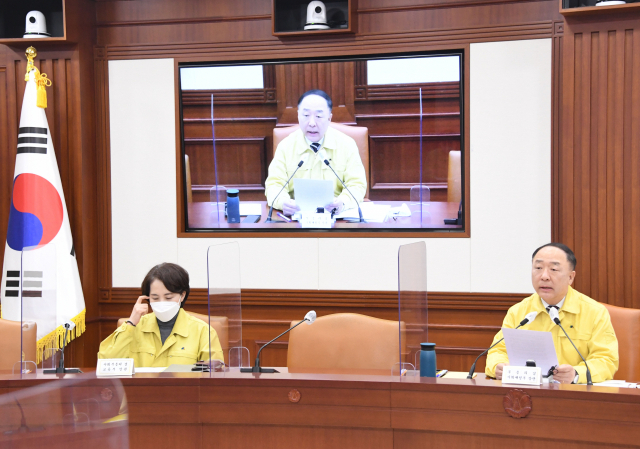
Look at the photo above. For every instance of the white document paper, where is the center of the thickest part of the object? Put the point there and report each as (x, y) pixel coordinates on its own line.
(523, 345)
(402, 211)
(312, 193)
(371, 212)
(150, 369)
(616, 384)
(250, 209)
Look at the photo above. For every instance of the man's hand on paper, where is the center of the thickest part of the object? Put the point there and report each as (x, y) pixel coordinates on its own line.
(289, 207)
(499, 368)
(337, 204)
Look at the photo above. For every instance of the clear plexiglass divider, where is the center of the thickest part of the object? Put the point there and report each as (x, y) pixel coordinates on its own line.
(412, 307)
(217, 194)
(225, 305)
(34, 307)
(69, 413)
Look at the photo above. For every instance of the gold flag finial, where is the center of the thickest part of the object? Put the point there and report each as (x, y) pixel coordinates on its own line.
(31, 54)
(41, 79)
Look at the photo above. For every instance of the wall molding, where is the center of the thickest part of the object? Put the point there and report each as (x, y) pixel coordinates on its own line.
(187, 20)
(337, 298)
(330, 46)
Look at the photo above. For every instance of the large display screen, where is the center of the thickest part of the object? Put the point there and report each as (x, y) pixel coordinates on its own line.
(377, 145)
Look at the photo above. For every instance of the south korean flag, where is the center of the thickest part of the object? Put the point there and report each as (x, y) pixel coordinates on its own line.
(40, 279)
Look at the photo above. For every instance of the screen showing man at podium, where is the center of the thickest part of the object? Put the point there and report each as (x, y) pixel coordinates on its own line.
(403, 160)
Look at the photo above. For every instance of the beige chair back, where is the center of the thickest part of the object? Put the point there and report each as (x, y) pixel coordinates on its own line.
(454, 183)
(358, 133)
(626, 324)
(219, 323)
(345, 341)
(10, 335)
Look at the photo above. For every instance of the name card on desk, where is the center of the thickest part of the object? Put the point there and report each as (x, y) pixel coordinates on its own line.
(315, 220)
(115, 367)
(522, 375)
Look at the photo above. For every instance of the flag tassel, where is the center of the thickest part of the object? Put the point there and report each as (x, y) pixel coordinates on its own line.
(42, 81)
(54, 339)
(41, 78)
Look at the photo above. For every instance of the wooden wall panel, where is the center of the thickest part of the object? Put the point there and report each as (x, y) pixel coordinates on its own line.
(335, 78)
(395, 167)
(599, 163)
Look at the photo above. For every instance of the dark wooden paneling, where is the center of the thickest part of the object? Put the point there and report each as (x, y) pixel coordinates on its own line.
(394, 167)
(598, 189)
(335, 78)
(241, 164)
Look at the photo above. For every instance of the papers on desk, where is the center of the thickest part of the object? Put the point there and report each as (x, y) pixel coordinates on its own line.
(616, 384)
(402, 211)
(523, 345)
(371, 212)
(154, 369)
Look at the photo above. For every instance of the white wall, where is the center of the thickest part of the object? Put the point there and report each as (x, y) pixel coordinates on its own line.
(510, 190)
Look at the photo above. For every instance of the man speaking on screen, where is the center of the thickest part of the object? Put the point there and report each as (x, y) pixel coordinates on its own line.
(318, 141)
(586, 321)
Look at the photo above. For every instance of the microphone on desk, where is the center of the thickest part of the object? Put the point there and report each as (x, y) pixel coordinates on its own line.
(300, 164)
(555, 317)
(60, 369)
(309, 318)
(527, 319)
(323, 156)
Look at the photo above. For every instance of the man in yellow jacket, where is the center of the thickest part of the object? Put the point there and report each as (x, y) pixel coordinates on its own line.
(314, 138)
(586, 321)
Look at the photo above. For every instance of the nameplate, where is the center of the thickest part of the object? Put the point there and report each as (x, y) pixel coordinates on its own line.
(114, 367)
(314, 220)
(522, 375)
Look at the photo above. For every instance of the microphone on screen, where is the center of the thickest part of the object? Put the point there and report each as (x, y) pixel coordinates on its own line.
(527, 319)
(555, 317)
(323, 156)
(300, 164)
(309, 318)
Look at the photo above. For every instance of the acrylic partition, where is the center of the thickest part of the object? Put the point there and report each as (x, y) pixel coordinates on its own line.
(34, 308)
(225, 305)
(412, 307)
(70, 413)
(217, 193)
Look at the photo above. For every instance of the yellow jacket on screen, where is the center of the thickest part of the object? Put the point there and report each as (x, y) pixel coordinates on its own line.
(343, 155)
(586, 321)
(187, 343)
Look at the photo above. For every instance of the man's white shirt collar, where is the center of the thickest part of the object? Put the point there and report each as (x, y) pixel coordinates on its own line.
(321, 141)
(559, 305)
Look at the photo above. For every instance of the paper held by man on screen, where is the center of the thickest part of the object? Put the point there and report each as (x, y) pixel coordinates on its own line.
(523, 345)
(312, 193)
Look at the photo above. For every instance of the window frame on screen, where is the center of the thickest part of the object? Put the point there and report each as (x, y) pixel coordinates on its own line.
(184, 232)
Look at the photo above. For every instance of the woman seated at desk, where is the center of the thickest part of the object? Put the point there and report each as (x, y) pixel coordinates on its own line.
(169, 335)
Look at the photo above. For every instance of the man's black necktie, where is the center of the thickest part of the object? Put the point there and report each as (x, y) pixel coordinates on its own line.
(549, 308)
(315, 146)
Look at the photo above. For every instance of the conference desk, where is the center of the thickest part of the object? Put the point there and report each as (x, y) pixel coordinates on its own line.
(201, 215)
(333, 410)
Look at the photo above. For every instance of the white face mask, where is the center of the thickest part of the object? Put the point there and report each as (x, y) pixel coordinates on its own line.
(165, 310)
